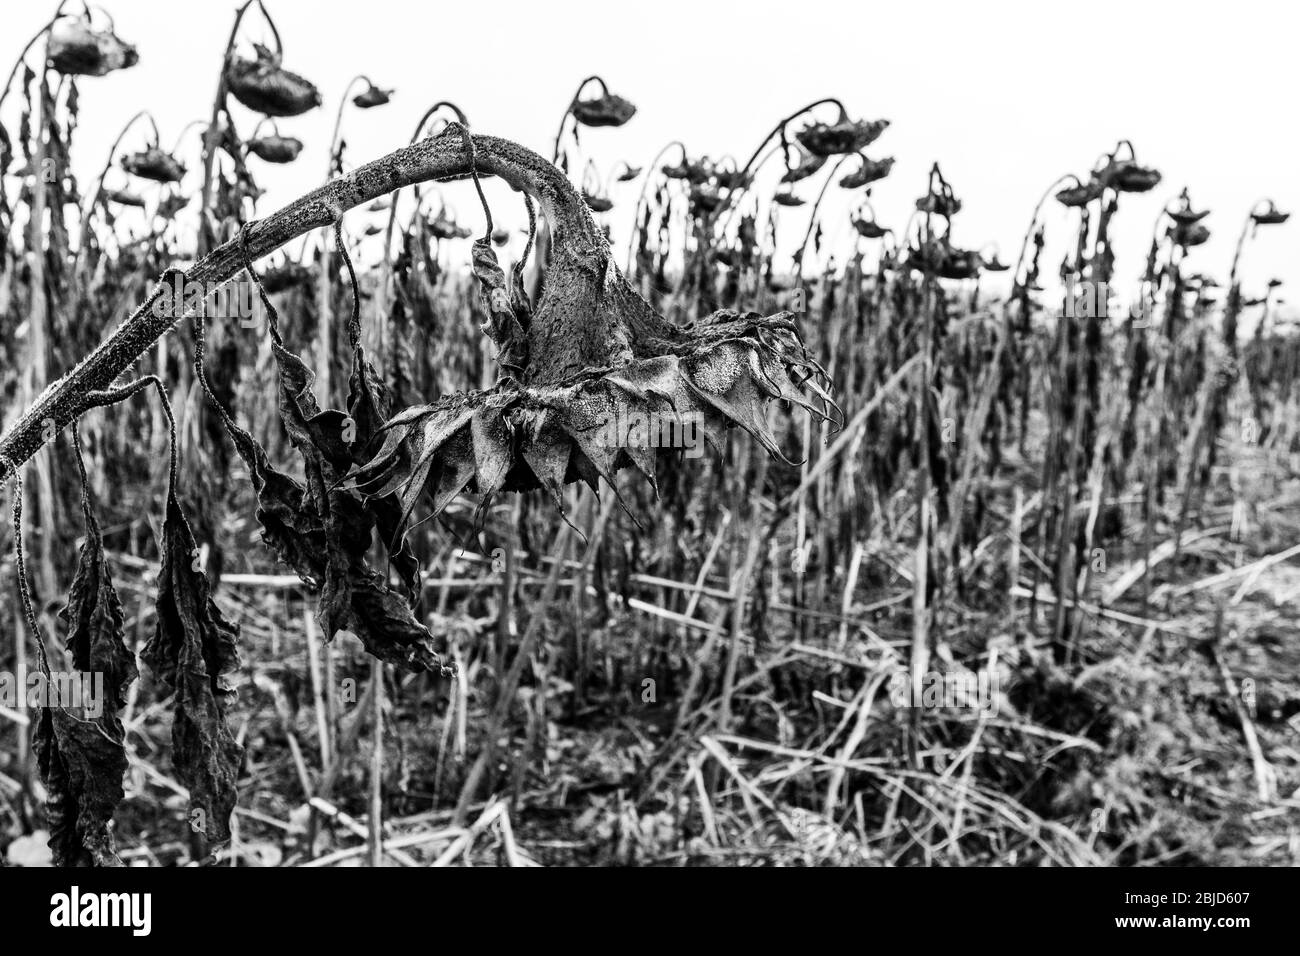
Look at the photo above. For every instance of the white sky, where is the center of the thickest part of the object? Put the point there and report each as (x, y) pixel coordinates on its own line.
(1005, 95)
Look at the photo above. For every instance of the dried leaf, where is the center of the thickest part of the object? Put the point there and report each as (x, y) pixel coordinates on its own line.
(192, 650)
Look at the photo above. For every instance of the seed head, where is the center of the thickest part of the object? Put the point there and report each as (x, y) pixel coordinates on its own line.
(275, 149)
(846, 136)
(607, 110)
(154, 164)
(263, 85)
(869, 172)
(76, 48)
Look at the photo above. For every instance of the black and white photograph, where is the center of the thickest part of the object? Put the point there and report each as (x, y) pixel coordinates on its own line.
(666, 435)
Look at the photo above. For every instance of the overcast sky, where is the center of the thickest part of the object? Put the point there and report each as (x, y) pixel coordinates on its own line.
(1006, 96)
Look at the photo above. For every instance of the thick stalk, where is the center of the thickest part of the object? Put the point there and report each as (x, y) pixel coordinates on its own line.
(443, 157)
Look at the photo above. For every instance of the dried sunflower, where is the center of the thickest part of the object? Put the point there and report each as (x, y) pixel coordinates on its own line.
(845, 136)
(443, 227)
(154, 164)
(597, 202)
(939, 257)
(371, 97)
(869, 172)
(732, 178)
(807, 165)
(1271, 216)
(124, 198)
(1187, 216)
(579, 371)
(868, 228)
(1129, 177)
(263, 85)
(689, 170)
(76, 48)
(607, 110)
(1081, 195)
(275, 149)
(939, 205)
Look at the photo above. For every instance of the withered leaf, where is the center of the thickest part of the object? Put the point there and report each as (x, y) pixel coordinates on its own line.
(94, 618)
(192, 650)
(81, 760)
(503, 326)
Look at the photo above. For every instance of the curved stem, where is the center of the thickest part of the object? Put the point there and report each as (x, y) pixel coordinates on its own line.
(92, 198)
(338, 123)
(386, 270)
(1241, 243)
(559, 134)
(731, 212)
(1033, 221)
(211, 137)
(1233, 306)
(777, 131)
(645, 184)
(441, 158)
(812, 219)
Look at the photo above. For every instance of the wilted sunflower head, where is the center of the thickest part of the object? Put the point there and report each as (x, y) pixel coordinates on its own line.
(940, 258)
(939, 204)
(597, 202)
(1270, 215)
(275, 149)
(867, 227)
(607, 110)
(1080, 195)
(693, 171)
(581, 371)
(732, 178)
(443, 226)
(844, 136)
(76, 48)
(1189, 234)
(124, 198)
(1127, 176)
(808, 164)
(371, 97)
(1186, 216)
(263, 85)
(154, 164)
(867, 173)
